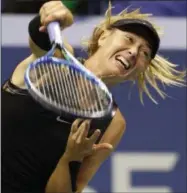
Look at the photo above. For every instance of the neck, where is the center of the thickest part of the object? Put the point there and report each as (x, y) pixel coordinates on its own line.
(92, 64)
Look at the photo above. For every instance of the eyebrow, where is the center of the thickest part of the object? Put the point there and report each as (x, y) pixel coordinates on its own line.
(147, 44)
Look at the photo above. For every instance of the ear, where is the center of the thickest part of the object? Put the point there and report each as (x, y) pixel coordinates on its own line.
(103, 37)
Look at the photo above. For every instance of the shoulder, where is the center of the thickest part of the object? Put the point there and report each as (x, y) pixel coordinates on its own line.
(9, 87)
(81, 60)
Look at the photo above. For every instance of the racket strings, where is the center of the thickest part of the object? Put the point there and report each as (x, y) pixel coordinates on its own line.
(66, 88)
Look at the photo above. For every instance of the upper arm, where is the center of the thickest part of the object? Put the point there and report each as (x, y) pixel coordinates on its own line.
(112, 135)
(115, 130)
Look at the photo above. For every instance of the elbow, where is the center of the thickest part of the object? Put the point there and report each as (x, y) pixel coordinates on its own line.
(122, 126)
(123, 123)
(120, 120)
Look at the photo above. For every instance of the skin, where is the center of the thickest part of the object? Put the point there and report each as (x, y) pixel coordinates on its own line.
(134, 49)
(103, 63)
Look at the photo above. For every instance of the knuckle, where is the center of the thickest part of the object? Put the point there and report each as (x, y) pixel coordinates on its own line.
(47, 12)
(63, 14)
(78, 142)
(66, 15)
(59, 12)
(53, 15)
(84, 124)
(45, 5)
(73, 138)
(75, 123)
(60, 15)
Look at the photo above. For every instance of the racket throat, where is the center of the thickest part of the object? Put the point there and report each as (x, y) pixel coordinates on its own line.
(58, 53)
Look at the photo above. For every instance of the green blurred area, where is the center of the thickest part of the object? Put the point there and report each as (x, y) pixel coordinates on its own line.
(71, 4)
(77, 7)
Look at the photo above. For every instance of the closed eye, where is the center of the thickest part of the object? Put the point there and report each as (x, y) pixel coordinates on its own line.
(146, 52)
(129, 38)
(147, 55)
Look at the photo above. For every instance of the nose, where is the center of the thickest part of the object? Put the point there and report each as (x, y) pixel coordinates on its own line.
(132, 54)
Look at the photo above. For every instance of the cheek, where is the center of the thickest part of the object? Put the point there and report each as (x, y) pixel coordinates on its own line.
(141, 66)
(114, 44)
(111, 46)
(107, 50)
(117, 43)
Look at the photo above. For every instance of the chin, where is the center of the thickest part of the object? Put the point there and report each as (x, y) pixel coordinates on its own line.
(113, 80)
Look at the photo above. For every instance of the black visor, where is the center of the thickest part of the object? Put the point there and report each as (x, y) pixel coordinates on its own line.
(142, 28)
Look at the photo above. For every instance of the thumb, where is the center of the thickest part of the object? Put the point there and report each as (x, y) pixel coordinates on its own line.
(101, 146)
(42, 29)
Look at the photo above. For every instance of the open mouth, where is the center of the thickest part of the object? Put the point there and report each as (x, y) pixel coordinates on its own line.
(123, 62)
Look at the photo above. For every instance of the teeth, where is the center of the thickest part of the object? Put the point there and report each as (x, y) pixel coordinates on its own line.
(123, 61)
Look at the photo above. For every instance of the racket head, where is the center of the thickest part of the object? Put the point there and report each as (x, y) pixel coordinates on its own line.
(66, 108)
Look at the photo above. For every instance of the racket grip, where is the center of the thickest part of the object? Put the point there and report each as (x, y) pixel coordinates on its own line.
(54, 32)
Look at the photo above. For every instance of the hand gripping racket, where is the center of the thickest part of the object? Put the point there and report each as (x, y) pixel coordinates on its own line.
(65, 86)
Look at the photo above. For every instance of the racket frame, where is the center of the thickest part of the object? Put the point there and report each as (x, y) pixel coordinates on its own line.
(38, 96)
(57, 43)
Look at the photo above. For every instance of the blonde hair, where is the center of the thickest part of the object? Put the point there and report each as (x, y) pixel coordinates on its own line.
(160, 69)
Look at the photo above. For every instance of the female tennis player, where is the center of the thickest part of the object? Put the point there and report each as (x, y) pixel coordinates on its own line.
(42, 152)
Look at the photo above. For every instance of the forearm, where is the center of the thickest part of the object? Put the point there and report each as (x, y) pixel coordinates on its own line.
(88, 169)
(60, 180)
(91, 164)
(18, 74)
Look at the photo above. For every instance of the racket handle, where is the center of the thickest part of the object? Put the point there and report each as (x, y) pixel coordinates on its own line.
(54, 32)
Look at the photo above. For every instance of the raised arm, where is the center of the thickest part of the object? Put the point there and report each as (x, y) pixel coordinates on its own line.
(38, 38)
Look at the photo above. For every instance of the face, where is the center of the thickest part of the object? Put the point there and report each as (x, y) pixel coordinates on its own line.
(121, 56)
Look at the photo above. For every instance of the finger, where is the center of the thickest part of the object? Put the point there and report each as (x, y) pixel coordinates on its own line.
(42, 29)
(56, 16)
(75, 125)
(105, 146)
(95, 136)
(49, 5)
(42, 15)
(50, 10)
(85, 134)
(46, 10)
(83, 131)
(80, 134)
(81, 127)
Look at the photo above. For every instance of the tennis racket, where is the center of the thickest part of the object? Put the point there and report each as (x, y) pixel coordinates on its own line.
(65, 86)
